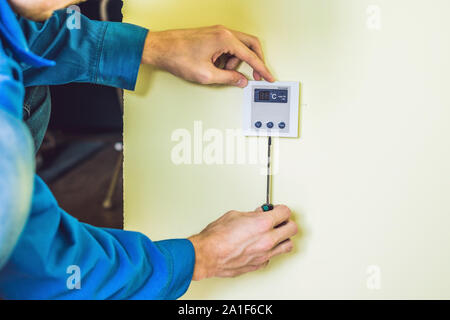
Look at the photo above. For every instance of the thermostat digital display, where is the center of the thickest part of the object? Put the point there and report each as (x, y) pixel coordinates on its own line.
(272, 95)
(271, 108)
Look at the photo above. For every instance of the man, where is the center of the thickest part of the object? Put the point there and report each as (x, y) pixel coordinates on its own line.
(39, 242)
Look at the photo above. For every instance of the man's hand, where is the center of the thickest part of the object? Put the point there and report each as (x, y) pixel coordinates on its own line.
(241, 242)
(207, 55)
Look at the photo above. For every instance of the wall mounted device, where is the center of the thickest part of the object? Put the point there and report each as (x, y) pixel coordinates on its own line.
(271, 109)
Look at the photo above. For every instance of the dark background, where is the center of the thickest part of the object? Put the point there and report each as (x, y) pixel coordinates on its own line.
(82, 107)
(81, 152)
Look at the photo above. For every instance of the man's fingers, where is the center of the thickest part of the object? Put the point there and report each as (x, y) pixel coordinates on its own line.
(254, 44)
(250, 57)
(230, 77)
(283, 247)
(284, 232)
(251, 42)
(279, 214)
(259, 210)
(256, 76)
(232, 63)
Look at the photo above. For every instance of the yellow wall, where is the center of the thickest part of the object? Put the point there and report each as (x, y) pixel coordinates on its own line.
(368, 179)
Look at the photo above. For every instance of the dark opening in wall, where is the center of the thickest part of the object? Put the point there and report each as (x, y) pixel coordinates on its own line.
(81, 155)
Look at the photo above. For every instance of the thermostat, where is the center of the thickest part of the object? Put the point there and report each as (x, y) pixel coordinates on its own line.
(271, 109)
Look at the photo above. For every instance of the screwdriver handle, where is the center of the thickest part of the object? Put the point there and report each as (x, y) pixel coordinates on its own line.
(267, 207)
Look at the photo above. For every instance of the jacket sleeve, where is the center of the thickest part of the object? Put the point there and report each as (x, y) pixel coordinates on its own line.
(106, 53)
(44, 252)
(16, 157)
(58, 257)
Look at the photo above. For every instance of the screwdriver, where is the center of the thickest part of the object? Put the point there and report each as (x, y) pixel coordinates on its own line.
(268, 206)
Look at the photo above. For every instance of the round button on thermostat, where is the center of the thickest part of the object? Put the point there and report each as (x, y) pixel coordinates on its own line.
(258, 124)
(282, 125)
(270, 125)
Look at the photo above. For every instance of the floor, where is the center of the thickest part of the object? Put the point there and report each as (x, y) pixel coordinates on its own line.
(82, 191)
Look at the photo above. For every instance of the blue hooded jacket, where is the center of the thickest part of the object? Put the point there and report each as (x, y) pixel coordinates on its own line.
(44, 252)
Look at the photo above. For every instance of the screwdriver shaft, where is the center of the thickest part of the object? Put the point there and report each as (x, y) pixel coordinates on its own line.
(269, 143)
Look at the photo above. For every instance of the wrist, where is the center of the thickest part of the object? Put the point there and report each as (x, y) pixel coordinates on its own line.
(150, 48)
(200, 268)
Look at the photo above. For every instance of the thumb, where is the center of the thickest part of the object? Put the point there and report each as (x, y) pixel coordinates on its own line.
(259, 210)
(230, 77)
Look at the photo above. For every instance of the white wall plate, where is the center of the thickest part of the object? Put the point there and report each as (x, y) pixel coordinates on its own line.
(271, 109)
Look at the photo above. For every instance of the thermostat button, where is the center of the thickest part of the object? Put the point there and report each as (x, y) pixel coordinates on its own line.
(270, 125)
(258, 124)
(282, 125)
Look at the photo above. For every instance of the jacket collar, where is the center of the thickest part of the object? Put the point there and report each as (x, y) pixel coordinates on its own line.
(11, 32)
